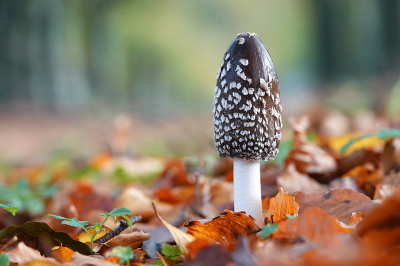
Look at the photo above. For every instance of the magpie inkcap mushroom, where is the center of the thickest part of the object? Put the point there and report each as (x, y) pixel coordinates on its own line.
(247, 116)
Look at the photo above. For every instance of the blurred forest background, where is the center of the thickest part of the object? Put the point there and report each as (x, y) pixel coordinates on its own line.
(73, 72)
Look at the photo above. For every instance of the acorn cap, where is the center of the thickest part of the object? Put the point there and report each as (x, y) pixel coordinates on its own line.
(247, 107)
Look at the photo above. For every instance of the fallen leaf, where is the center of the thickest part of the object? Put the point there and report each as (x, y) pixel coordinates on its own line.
(46, 236)
(134, 239)
(309, 158)
(79, 259)
(84, 237)
(356, 218)
(383, 191)
(226, 228)
(340, 203)
(281, 205)
(164, 194)
(291, 181)
(181, 238)
(314, 225)
(195, 246)
(137, 201)
(22, 254)
(62, 254)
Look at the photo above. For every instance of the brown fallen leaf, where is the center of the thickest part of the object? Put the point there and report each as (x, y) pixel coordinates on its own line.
(340, 203)
(134, 239)
(281, 205)
(164, 194)
(226, 228)
(314, 225)
(309, 158)
(62, 254)
(291, 181)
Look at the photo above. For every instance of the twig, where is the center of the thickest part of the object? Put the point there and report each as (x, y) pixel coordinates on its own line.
(116, 231)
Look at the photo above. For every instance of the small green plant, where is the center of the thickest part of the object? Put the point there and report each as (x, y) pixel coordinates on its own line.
(10, 208)
(97, 227)
(170, 252)
(4, 261)
(125, 254)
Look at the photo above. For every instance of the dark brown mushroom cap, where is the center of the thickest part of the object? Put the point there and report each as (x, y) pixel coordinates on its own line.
(247, 106)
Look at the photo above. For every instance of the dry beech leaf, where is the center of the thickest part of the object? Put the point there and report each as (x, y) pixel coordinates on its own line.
(62, 254)
(313, 226)
(307, 157)
(355, 218)
(291, 181)
(181, 238)
(133, 239)
(281, 205)
(340, 203)
(226, 228)
(84, 237)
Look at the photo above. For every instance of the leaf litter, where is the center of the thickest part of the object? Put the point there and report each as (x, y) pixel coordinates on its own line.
(332, 201)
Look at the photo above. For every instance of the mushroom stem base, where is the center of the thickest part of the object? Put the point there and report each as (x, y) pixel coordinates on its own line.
(247, 189)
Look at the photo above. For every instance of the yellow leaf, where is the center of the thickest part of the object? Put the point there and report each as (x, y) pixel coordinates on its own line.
(181, 238)
(85, 238)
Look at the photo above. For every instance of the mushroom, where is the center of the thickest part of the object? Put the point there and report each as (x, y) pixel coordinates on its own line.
(247, 117)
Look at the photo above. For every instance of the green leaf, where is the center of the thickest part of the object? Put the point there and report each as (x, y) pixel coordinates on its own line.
(74, 222)
(107, 214)
(157, 262)
(57, 217)
(46, 236)
(128, 220)
(4, 261)
(383, 134)
(123, 253)
(171, 252)
(120, 212)
(9, 208)
(290, 217)
(96, 227)
(268, 230)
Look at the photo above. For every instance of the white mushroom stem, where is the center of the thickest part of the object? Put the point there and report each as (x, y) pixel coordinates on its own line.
(247, 188)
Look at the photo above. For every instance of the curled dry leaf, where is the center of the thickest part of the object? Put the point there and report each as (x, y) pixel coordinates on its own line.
(280, 206)
(62, 254)
(133, 239)
(226, 228)
(307, 157)
(291, 180)
(340, 203)
(181, 238)
(314, 225)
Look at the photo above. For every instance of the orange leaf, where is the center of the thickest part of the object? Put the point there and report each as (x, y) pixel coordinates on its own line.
(62, 254)
(195, 246)
(355, 218)
(314, 225)
(281, 205)
(84, 238)
(164, 194)
(226, 228)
